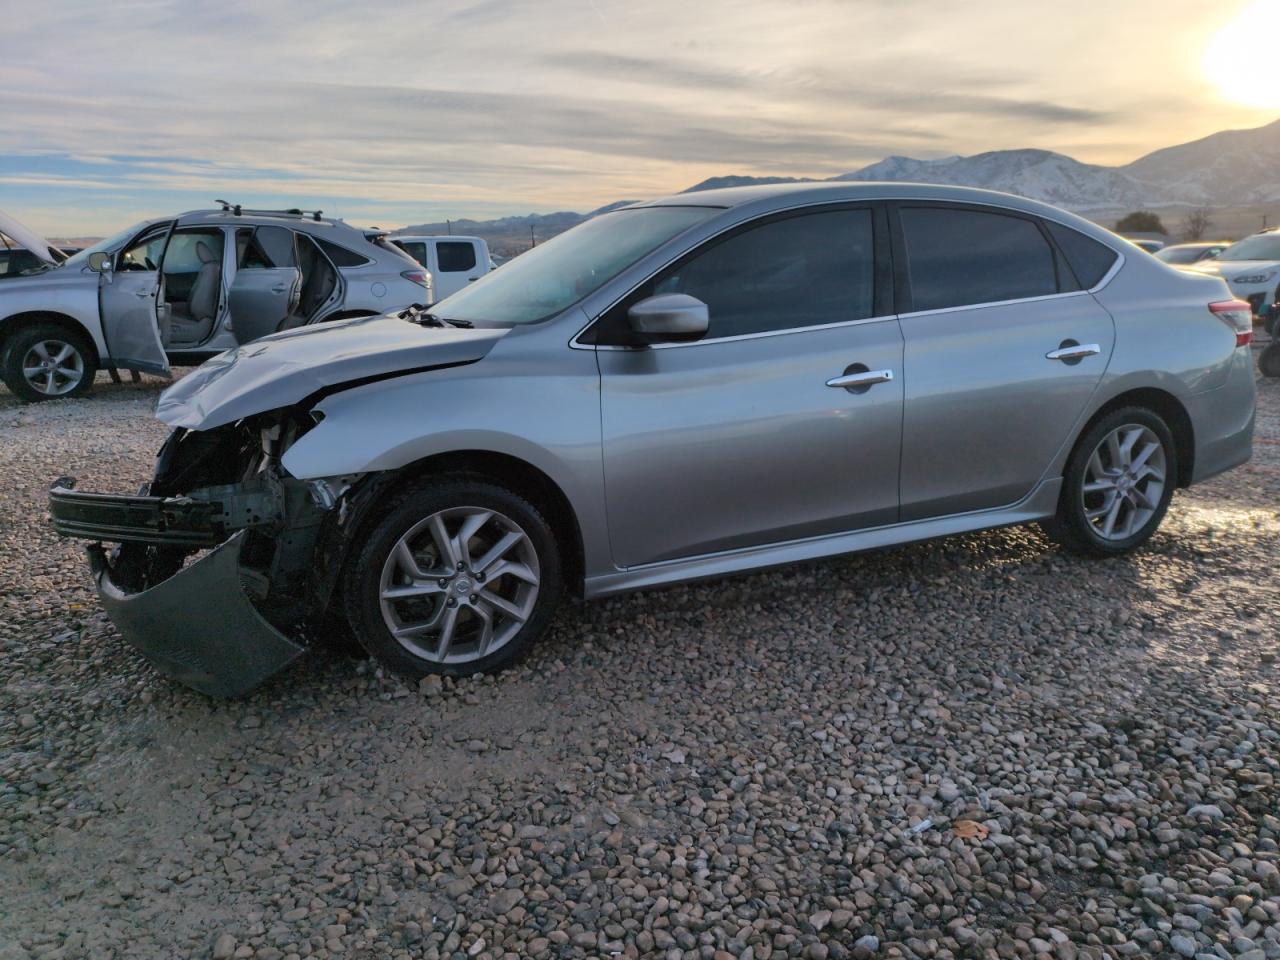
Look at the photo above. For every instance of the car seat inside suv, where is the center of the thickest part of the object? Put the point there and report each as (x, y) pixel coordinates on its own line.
(191, 319)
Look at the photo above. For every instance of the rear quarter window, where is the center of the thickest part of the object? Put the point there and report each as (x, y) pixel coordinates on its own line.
(1089, 260)
(340, 255)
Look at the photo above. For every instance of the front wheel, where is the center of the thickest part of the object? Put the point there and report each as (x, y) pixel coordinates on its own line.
(48, 362)
(1118, 484)
(461, 576)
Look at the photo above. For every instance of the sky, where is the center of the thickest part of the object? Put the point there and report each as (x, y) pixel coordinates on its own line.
(397, 113)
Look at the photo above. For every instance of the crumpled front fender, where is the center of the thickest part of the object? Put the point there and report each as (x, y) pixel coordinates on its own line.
(198, 626)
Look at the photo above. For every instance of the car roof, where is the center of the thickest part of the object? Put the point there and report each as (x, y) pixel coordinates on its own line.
(764, 198)
(433, 236)
(305, 222)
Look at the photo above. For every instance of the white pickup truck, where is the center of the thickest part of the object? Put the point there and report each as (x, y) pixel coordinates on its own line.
(452, 261)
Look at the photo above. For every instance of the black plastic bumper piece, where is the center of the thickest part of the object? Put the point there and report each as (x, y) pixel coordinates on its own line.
(199, 627)
(179, 521)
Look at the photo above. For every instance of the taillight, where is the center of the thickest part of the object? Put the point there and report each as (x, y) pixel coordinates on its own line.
(420, 277)
(1237, 315)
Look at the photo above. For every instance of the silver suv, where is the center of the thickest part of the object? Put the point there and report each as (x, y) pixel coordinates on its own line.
(179, 290)
(703, 385)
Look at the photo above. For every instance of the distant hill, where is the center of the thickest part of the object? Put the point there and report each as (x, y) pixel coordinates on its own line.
(1228, 169)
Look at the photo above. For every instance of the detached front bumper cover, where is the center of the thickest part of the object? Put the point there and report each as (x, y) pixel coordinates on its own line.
(199, 627)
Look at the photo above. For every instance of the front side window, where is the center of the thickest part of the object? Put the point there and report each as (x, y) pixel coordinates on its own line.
(803, 271)
(957, 257)
(557, 274)
(455, 256)
(144, 253)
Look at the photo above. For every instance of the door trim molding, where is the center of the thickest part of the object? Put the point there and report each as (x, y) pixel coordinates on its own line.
(1040, 503)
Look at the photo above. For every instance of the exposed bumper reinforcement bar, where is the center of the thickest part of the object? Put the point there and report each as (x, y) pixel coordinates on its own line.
(225, 649)
(203, 521)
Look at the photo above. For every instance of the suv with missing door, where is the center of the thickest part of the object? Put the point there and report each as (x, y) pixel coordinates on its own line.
(178, 290)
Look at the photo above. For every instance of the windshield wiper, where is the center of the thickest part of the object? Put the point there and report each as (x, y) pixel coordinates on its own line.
(417, 313)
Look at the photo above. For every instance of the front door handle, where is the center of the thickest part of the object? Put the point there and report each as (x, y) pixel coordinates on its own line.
(1073, 351)
(861, 378)
(143, 294)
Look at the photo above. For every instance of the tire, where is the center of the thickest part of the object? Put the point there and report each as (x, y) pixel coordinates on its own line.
(1269, 360)
(34, 348)
(1103, 511)
(516, 593)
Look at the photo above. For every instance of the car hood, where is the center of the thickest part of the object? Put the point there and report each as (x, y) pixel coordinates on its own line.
(27, 237)
(1233, 268)
(284, 368)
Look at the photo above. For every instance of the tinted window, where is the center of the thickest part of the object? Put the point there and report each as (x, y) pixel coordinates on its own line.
(958, 257)
(1089, 259)
(455, 256)
(414, 248)
(266, 248)
(799, 272)
(341, 256)
(144, 254)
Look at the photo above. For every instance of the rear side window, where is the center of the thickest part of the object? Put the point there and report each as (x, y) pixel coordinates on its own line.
(803, 271)
(1089, 259)
(340, 255)
(455, 256)
(957, 257)
(265, 248)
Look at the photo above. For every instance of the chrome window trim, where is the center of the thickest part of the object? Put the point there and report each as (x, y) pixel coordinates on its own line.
(1107, 277)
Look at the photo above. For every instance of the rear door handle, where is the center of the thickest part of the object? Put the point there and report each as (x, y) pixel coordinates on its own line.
(279, 289)
(1074, 351)
(143, 294)
(863, 378)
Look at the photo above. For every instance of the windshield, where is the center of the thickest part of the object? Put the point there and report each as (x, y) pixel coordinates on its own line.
(560, 272)
(1261, 246)
(111, 243)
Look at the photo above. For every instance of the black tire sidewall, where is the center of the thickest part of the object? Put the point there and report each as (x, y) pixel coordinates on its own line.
(22, 340)
(1071, 505)
(363, 571)
(1269, 359)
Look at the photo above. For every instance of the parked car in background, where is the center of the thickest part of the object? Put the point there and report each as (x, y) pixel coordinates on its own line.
(697, 386)
(1251, 268)
(1180, 254)
(178, 290)
(453, 262)
(1147, 244)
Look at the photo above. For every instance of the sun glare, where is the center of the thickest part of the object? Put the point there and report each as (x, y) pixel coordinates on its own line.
(1238, 61)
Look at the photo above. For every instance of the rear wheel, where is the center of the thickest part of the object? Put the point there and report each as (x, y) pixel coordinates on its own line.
(48, 362)
(460, 577)
(1118, 484)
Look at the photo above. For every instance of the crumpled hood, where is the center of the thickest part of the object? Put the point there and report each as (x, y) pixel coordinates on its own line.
(282, 369)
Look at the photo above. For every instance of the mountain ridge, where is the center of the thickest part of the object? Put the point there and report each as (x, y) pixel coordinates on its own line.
(1228, 168)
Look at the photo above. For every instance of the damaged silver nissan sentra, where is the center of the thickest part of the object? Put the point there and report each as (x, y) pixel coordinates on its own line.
(702, 385)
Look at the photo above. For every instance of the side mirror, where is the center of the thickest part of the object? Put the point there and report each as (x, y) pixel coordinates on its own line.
(100, 262)
(668, 318)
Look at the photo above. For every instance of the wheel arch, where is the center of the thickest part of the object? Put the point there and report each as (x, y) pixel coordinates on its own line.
(14, 322)
(520, 477)
(1170, 409)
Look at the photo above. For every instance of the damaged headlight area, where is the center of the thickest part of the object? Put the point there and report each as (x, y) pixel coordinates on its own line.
(223, 565)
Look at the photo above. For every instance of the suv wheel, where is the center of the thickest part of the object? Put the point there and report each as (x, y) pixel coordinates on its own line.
(1269, 358)
(460, 577)
(48, 362)
(1118, 484)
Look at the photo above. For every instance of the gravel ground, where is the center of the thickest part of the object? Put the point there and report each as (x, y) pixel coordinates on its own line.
(774, 766)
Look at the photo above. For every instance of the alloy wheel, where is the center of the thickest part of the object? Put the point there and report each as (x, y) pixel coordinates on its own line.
(1124, 481)
(459, 585)
(53, 367)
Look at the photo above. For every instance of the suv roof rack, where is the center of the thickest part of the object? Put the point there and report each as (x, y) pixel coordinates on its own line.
(236, 209)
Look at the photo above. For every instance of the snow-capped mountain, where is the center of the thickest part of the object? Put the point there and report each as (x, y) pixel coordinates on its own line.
(1039, 174)
(1234, 166)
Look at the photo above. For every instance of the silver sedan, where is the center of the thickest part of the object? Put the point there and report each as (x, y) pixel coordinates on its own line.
(697, 386)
